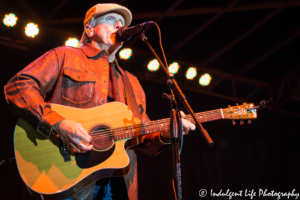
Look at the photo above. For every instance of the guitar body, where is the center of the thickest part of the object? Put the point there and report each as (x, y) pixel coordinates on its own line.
(43, 168)
(51, 173)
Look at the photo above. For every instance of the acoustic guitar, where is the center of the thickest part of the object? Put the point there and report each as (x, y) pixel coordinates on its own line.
(48, 169)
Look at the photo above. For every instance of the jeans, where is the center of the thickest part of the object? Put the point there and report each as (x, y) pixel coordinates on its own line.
(113, 188)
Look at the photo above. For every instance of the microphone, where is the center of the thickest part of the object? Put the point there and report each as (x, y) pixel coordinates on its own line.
(124, 33)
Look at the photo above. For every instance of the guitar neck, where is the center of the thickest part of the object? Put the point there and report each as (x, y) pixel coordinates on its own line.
(161, 125)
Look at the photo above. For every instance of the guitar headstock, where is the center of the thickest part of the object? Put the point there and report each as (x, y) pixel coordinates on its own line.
(240, 112)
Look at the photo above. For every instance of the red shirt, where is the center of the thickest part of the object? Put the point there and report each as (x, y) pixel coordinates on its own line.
(67, 76)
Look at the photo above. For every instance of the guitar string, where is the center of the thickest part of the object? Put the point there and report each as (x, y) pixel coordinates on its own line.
(137, 128)
(154, 124)
(135, 132)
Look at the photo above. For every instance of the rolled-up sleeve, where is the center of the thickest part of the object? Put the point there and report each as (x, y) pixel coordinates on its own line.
(25, 91)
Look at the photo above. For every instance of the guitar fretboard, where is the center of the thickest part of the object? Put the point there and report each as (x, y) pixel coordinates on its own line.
(161, 125)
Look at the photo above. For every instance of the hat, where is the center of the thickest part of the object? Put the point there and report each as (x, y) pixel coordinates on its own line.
(103, 8)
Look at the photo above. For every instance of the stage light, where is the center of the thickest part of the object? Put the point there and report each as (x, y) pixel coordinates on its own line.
(173, 68)
(125, 53)
(191, 73)
(72, 42)
(153, 65)
(31, 30)
(205, 79)
(10, 20)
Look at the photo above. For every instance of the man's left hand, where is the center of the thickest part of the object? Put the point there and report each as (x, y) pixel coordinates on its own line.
(187, 126)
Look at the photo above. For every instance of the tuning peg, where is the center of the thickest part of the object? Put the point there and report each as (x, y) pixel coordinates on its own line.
(249, 121)
(237, 104)
(241, 122)
(233, 122)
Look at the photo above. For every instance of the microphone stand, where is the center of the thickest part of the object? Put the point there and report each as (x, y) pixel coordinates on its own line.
(175, 122)
(176, 133)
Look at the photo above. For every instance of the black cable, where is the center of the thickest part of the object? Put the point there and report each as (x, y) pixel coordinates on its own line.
(160, 43)
(178, 117)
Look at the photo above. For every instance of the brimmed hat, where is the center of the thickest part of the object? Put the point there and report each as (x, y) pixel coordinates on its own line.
(103, 8)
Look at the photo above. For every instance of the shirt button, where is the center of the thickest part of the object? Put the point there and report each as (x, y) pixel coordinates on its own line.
(79, 77)
(104, 65)
(102, 101)
(104, 81)
(116, 93)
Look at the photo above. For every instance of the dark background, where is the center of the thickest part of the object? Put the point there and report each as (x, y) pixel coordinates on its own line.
(251, 50)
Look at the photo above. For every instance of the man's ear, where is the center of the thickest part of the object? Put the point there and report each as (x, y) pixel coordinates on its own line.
(89, 31)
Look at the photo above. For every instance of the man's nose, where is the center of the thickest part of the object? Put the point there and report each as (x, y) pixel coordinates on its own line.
(118, 25)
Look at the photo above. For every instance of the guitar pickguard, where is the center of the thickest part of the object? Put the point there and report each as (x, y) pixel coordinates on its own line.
(93, 158)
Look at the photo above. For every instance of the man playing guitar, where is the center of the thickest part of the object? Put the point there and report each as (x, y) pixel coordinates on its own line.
(84, 77)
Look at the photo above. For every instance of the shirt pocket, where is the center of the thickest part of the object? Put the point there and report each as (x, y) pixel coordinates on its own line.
(78, 86)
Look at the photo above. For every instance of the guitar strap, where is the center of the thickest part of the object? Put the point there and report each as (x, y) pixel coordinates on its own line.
(130, 98)
(129, 94)
(130, 179)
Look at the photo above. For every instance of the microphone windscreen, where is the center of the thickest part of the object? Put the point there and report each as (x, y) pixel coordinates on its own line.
(121, 35)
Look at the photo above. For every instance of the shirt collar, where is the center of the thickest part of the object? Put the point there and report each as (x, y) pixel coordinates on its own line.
(91, 51)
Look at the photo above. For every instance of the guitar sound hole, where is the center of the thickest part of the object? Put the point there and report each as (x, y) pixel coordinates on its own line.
(102, 137)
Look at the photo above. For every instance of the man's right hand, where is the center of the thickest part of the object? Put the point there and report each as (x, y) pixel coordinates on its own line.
(72, 134)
